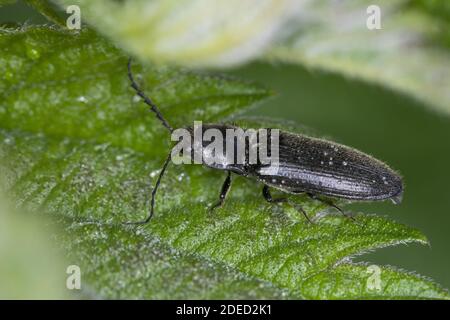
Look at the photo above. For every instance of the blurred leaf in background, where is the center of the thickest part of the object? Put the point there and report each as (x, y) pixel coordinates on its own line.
(408, 54)
(198, 33)
(31, 266)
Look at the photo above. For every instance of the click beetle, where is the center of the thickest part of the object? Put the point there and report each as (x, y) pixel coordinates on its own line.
(306, 165)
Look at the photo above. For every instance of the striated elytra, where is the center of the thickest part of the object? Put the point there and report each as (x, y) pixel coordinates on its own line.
(320, 167)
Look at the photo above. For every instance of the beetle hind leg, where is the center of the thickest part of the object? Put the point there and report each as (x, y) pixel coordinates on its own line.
(268, 197)
(331, 204)
(223, 193)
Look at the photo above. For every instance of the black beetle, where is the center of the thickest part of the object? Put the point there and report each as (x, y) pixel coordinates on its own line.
(306, 165)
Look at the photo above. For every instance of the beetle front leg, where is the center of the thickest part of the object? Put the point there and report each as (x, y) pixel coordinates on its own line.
(223, 192)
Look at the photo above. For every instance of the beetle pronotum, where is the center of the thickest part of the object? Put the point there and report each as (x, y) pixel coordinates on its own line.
(306, 165)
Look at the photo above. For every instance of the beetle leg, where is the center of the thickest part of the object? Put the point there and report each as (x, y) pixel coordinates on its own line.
(268, 197)
(304, 213)
(223, 192)
(152, 203)
(331, 204)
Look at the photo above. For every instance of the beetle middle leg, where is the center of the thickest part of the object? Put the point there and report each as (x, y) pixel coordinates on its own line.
(223, 192)
(268, 197)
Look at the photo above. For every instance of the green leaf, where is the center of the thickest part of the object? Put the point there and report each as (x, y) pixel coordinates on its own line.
(346, 279)
(48, 11)
(76, 143)
(439, 11)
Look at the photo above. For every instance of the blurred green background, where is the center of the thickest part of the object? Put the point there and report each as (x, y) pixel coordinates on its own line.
(400, 131)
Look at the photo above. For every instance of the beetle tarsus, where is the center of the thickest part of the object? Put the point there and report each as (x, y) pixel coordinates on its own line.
(223, 193)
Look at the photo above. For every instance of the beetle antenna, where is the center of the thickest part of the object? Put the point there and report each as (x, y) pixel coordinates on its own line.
(155, 189)
(146, 99)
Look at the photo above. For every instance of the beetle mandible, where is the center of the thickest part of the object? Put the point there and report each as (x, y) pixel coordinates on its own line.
(306, 165)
